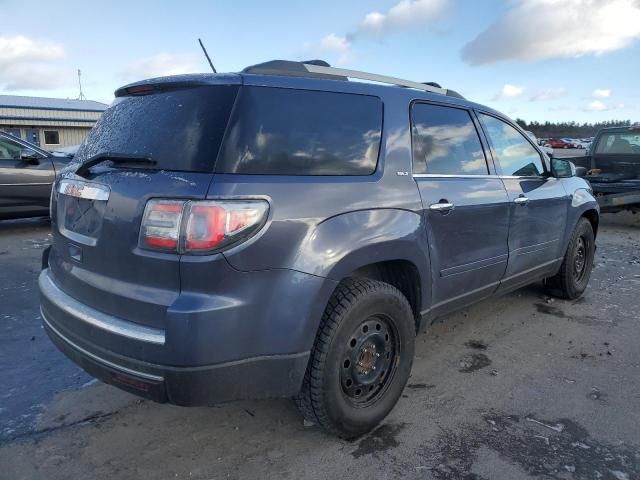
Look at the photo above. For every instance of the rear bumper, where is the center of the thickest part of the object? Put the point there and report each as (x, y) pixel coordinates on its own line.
(266, 377)
(124, 354)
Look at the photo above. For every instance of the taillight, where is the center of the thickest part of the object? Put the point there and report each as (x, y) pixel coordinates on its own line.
(200, 227)
(161, 224)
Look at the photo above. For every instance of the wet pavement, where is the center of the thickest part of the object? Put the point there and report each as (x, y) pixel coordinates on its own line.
(522, 386)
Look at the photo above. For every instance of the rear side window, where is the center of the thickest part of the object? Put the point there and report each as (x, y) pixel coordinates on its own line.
(179, 129)
(619, 144)
(514, 153)
(445, 141)
(276, 131)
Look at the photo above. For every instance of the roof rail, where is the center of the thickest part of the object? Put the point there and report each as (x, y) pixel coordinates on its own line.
(321, 69)
(373, 78)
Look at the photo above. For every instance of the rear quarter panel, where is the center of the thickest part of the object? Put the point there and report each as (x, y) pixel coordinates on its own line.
(329, 226)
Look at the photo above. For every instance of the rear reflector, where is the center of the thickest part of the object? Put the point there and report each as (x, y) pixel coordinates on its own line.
(200, 227)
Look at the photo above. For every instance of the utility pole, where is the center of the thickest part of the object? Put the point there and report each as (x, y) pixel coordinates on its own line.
(81, 95)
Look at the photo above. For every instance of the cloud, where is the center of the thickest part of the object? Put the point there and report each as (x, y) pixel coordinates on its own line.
(28, 64)
(404, 14)
(601, 93)
(335, 42)
(331, 44)
(509, 91)
(159, 65)
(541, 29)
(548, 94)
(599, 106)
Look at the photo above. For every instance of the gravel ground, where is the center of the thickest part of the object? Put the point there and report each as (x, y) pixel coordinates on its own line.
(523, 386)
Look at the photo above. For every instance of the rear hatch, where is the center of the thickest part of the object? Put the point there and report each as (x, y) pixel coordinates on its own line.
(157, 140)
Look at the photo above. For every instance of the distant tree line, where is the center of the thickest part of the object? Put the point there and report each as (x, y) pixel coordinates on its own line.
(569, 129)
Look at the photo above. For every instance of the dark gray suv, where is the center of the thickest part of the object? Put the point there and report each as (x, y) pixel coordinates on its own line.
(285, 232)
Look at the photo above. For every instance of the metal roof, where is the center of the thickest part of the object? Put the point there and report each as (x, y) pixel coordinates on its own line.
(19, 101)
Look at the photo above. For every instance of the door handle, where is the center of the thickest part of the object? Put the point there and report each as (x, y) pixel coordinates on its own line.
(522, 200)
(442, 207)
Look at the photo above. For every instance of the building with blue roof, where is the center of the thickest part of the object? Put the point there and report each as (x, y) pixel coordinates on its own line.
(51, 123)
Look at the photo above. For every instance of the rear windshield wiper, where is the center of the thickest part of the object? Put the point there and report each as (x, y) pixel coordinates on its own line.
(113, 158)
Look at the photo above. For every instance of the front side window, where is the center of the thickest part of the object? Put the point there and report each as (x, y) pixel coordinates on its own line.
(445, 142)
(10, 150)
(514, 153)
(278, 131)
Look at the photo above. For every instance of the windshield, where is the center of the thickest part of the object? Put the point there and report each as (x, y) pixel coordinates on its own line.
(179, 129)
(619, 143)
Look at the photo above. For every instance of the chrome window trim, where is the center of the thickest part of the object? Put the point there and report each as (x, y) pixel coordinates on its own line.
(23, 184)
(442, 175)
(448, 175)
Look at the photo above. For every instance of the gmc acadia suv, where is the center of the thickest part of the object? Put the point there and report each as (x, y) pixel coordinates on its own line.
(285, 232)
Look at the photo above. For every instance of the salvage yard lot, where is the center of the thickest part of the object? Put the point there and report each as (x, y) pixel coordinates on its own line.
(522, 386)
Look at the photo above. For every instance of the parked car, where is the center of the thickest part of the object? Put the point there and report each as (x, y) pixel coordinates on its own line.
(286, 232)
(68, 151)
(559, 143)
(613, 164)
(26, 175)
(543, 147)
(570, 141)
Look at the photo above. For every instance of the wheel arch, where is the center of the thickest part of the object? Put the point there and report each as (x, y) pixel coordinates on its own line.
(593, 216)
(402, 274)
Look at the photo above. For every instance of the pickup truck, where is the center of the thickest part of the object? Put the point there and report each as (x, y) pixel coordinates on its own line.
(613, 168)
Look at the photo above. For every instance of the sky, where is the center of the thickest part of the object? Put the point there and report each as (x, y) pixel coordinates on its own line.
(557, 60)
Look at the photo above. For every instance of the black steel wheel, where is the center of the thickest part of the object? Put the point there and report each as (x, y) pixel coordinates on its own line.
(368, 364)
(575, 271)
(361, 358)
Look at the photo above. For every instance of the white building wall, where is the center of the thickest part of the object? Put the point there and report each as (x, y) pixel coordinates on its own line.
(72, 126)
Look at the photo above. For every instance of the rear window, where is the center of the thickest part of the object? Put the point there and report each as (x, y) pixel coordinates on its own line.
(619, 143)
(179, 129)
(276, 131)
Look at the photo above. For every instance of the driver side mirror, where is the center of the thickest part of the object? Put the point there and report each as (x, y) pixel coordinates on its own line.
(29, 156)
(562, 168)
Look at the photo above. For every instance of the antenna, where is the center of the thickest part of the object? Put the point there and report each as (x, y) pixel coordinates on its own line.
(81, 95)
(207, 55)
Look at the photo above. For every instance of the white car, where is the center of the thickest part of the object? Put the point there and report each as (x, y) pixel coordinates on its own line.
(583, 143)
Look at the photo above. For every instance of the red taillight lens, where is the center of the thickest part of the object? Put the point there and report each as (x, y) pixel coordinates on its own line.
(213, 225)
(200, 227)
(205, 227)
(161, 224)
(141, 89)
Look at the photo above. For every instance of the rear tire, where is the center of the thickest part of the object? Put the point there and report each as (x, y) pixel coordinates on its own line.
(572, 279)
(361, 358)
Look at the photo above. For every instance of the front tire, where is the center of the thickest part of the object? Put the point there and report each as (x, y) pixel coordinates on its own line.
(572, 279)
(361, 358)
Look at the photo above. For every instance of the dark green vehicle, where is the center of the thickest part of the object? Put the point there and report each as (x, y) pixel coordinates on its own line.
(613, 164)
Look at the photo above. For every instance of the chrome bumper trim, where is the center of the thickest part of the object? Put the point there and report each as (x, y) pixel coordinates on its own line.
(98, 319)
(107, 363)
